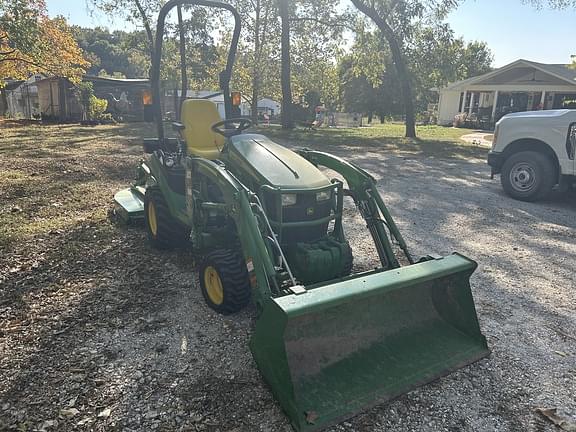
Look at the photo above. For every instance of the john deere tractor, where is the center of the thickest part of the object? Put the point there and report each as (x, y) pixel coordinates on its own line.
(266, 226)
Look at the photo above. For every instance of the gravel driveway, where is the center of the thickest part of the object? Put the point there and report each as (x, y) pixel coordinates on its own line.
(100, 332)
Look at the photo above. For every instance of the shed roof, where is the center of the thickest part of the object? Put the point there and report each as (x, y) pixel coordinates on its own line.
(12, 85)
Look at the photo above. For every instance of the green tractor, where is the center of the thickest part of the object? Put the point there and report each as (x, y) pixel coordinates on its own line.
(266, 225)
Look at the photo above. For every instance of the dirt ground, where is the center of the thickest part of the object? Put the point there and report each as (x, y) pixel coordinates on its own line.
(100, 332)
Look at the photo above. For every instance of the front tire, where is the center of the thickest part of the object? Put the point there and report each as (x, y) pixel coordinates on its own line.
(164, 231)
(528, 176)
(224, 281)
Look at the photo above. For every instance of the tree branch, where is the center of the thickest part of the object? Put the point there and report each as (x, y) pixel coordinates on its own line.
(322, 22)
(17, 59)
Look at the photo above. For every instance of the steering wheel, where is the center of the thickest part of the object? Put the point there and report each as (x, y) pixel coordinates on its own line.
(231, 127)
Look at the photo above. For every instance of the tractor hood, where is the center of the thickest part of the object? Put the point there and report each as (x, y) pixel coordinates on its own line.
(266, 162)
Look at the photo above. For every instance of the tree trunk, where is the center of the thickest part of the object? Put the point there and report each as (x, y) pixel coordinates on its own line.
(399, 63)
(183, 72)
(256, 66)
(287, 121)
(147, 28)
(405, 86)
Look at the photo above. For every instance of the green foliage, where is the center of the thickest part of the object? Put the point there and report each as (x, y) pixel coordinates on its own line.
(85, 91)
(32, 42)
(96, 108)
(434, 56)
(119, 52)
(437, 58)
(556, 4)
(128, 53)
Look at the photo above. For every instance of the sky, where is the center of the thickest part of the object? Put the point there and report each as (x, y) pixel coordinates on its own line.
(512, 29)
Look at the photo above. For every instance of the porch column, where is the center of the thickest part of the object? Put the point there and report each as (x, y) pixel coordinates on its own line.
(463, 101)
(471, 103)
(543, 100)
(494, 106)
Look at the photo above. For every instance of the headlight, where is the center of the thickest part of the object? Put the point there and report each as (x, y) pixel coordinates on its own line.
(288, 200)
(323, 196)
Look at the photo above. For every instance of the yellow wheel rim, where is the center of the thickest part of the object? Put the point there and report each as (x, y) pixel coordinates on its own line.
(152, 222)
(213, 285)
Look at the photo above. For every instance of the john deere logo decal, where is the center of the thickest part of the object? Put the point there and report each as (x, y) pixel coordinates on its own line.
(310, 211)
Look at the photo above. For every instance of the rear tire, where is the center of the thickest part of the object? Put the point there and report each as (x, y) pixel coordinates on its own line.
(164, 231)
(528, 176)
(224, 281)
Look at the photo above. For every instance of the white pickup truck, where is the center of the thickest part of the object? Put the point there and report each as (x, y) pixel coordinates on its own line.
(533, 151)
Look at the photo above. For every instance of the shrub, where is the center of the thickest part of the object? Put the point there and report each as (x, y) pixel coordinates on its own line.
(96, 108)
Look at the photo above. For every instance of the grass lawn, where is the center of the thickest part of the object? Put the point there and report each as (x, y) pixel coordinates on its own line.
(54, 178)
(432, 141)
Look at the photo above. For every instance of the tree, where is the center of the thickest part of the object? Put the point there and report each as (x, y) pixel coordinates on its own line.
(200, 53)
(260, 28)
(556, 4)
(31, 42)
(139, 12)
(287, 120)
(369, 81)
(116, 53)
(317, 28)
(395, 20)
(437, 58)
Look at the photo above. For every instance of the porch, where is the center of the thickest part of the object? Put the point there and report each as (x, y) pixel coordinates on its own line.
(521, 86)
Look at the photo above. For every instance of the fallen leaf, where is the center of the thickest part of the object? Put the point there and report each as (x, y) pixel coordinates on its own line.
(68, 412)
(84, 421)
(560, 421)
(105, 413)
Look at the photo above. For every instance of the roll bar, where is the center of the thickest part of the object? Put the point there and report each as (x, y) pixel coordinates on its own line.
(225, 75)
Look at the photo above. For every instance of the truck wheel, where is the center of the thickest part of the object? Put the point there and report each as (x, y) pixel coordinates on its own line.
(164, 232)
(528, 176)
(224, 281)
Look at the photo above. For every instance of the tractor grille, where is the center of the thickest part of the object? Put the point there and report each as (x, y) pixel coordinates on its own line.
(305, 209)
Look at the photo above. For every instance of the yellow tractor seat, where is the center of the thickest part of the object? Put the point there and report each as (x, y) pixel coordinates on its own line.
(197, 116)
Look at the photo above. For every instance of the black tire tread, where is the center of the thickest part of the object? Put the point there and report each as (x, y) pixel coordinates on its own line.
(171, 233)
(234, 276)
(547, 172)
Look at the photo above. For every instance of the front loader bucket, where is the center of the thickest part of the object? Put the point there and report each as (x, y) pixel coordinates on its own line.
(342, 347)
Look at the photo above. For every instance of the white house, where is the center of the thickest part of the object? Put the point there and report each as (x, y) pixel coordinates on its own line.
(269, 106)
(520, 86)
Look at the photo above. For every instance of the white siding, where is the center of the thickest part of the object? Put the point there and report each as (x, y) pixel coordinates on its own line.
(448, 106)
